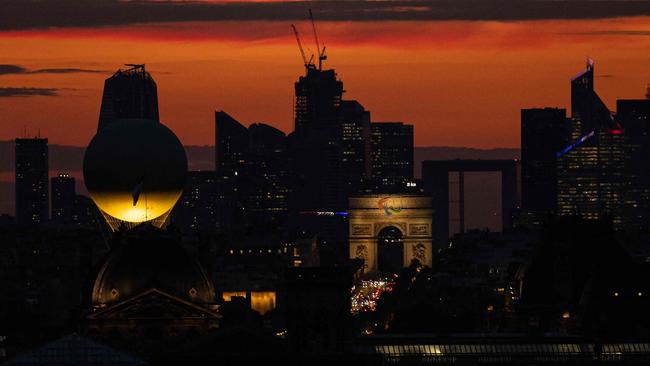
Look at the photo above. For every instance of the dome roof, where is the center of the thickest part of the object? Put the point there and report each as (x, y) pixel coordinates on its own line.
(150, 258)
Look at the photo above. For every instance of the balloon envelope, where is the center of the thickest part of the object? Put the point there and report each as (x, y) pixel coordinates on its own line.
(135, 169)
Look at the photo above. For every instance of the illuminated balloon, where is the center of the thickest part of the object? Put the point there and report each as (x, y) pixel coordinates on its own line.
(135, 169)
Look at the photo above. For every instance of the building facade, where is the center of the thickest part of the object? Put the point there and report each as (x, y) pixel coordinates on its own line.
(195, 210)
(405, 220)
(130, 93)
(32, 169)
(634, 117)
(544, 132)
(252, 174)
(64, 194)
(591, 169)
(392, 155)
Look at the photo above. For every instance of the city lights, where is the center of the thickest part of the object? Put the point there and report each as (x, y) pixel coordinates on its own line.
(366, 294)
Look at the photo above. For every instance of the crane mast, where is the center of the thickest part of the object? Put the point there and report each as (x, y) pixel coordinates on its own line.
(321, 52)
(308, 63)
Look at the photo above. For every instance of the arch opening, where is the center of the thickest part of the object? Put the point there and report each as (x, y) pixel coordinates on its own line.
(390, 248)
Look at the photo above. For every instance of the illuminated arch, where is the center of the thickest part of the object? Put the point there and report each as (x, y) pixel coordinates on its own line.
(412, 215)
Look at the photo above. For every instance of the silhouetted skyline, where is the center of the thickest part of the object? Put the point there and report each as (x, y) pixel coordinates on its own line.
(501, 67)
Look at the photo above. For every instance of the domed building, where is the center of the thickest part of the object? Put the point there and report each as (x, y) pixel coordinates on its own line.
(150, 286)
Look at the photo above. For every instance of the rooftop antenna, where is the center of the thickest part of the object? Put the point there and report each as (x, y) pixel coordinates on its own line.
(308, 63)
(321, 52)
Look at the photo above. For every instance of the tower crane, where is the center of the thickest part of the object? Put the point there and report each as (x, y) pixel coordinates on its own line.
(308, 63)
(321, 52)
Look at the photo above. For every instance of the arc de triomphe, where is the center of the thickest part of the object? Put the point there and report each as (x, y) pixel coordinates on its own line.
(412, 215)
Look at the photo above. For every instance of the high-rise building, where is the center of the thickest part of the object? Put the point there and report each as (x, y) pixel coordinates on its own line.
(231, 143)
(318, 96)
(544, 132)
(32, 168)
(392, 155)
(231, 139)
(316, 154)
(588, 111)
(591, 176)
(196, 209)
(86, 212)
(266, 172)
(316, 141)
(354, 122)
(63, 198)
(252, 174)
(130, 93)
(634, 117)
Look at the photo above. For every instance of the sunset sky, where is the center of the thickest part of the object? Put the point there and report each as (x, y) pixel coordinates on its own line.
(461, 79)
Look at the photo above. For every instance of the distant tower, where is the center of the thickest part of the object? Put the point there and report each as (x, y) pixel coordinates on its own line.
(316, 153)
(316, 143)
(392, 155)
(355, 140)
(544, 132)
(634, 115)
(31, 181)
(129, 93)
(591, 176)
(63, 198)
(196, 209)
(318, 96)
(252, 173)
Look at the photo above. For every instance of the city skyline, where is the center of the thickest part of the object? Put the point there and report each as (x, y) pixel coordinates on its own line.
(324, 182)
(206, 66)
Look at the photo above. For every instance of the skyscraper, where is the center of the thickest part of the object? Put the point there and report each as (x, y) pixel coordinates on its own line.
(32, 199)
(544, 132)
(392, 155)
(196, 209)
(355, 132)
(63, 198)
(252, 174)
(267, 176)
(130, 93)
(231, 143)
(316, 152)
(634, 117)
(591, 177)
(318, 96)
(86, 212)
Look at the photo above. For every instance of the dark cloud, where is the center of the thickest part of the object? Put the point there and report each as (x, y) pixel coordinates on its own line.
(16, 69)
(38, 14)
(614, 33)
(28, 92)
(12, 69)
(65, 71)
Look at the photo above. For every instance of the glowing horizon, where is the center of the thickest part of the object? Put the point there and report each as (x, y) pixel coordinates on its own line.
(460, 83)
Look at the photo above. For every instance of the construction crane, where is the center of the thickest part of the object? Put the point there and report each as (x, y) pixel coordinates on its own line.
(136, 67)
(321, 53)
(308, 63)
